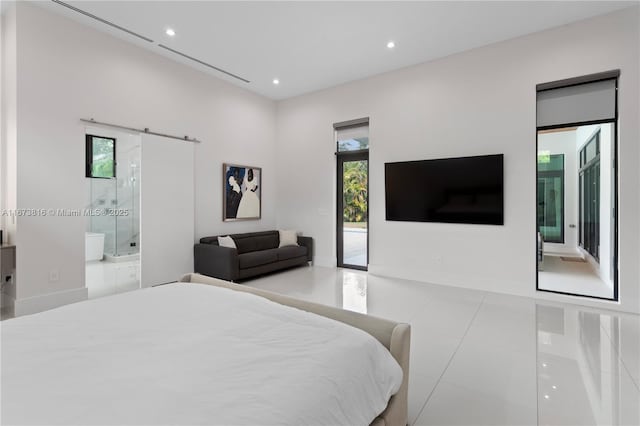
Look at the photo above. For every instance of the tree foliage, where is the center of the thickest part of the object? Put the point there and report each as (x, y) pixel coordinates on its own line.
(103, 155)
(355, 191)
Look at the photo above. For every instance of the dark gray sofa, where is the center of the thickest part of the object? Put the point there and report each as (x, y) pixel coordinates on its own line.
(257, 253)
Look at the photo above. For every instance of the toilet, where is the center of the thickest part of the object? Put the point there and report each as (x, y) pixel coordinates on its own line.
(93, 246)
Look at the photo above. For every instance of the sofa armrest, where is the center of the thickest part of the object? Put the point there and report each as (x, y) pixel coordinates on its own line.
(308, 243)
(216, 261)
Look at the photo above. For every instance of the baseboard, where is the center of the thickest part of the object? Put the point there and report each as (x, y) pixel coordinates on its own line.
(327, 262)
(43, 302)
(480, 283)
(387, 272)
(560, 249)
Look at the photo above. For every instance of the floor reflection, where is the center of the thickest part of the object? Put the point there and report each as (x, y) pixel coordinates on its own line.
(578, 366)
(354, 291)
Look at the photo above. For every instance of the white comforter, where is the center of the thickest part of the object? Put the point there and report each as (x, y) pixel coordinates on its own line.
(185, 354)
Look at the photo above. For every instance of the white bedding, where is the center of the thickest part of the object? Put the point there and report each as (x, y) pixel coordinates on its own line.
(184, 354)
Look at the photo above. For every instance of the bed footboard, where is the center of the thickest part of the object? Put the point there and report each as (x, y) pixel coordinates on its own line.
(394, 336)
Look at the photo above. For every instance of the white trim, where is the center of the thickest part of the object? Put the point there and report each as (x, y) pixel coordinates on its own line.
(43, 302)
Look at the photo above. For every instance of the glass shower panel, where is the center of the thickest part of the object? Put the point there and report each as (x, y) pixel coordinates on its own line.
(103, 198)
(118, 202)
(128, 218)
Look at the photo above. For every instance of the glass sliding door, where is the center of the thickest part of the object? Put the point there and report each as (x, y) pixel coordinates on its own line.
(551, 198)
(353, 197)
(353, 176)
(590, 197)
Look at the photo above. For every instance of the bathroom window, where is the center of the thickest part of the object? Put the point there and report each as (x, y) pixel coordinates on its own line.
(100, 157)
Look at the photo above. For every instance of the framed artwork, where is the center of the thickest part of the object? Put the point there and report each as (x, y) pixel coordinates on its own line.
(242, 192)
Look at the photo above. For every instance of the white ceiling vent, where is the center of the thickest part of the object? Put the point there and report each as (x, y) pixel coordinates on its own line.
(104, 21)
(184, 55)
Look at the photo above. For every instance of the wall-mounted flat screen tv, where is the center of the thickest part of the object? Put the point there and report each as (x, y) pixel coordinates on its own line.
(450, 190)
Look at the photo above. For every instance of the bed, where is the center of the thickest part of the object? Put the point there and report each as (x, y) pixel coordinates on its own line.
(218, 353)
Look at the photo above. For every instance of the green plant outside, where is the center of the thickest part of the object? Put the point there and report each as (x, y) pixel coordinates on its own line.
(355, 191)
(103, 158)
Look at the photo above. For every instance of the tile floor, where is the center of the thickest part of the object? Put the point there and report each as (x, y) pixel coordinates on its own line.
(105, 278)
(572, 277)
(482, 358)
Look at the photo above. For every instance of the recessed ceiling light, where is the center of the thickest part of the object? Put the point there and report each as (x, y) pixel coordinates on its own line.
(391, 45)
(276, 81)
(170, 32)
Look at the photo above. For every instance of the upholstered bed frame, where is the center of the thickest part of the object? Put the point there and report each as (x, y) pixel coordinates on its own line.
(396, 337)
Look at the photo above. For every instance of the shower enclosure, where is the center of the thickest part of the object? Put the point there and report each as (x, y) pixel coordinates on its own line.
(115, 203)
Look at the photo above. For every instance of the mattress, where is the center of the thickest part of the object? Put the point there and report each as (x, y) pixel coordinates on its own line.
(191, 354)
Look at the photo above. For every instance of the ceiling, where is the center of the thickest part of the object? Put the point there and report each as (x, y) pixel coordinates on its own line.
(310, 46)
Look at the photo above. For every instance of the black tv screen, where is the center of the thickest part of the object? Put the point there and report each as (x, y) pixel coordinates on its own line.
(450, 190)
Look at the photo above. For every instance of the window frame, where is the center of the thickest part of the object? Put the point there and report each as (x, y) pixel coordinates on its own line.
(556, 174)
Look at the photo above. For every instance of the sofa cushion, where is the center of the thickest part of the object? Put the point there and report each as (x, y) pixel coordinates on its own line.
(249, 241)
(257, 258)
(289, 252)
(256, 241)
(209, 240)
(288, 237)
(226, 242)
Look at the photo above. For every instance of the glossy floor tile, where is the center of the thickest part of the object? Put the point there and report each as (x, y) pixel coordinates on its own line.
(482, 358)
(580, 366)
(624, 333)
(106, 278)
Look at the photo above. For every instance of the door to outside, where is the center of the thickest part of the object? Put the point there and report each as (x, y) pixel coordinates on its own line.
(353, 200)
(352, 152)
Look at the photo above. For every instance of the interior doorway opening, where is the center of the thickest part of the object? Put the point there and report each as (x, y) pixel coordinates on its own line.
(112, 230)
(575, 210)
(577, 186)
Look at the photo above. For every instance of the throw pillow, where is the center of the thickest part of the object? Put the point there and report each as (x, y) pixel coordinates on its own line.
(288, 238)
(226, 242)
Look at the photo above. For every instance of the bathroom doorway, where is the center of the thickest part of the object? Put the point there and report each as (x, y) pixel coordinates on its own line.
(112, 213)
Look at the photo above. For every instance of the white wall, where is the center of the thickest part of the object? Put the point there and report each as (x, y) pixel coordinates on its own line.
(67, 71)
(8, 132)
(8, 136)
(565, 143)
(478, 102)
